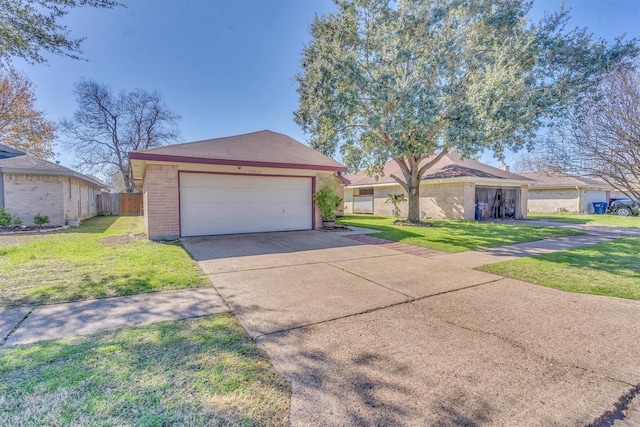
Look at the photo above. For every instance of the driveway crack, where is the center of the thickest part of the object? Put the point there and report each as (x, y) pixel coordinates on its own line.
(372, 310)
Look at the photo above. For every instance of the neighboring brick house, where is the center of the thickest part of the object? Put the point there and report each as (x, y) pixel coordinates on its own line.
(453, 189)
(30, 186)
(553, 192)
(257, 182)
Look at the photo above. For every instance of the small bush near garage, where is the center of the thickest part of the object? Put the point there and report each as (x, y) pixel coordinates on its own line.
(40, 219)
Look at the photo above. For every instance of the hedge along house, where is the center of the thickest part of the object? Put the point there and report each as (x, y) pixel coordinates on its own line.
(30, 186)
(553, 192)
(452, 189)
(257, 182)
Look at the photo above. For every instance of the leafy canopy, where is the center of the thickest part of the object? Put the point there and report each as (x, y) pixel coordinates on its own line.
(420, 78)
(29, 26)
(22, 125)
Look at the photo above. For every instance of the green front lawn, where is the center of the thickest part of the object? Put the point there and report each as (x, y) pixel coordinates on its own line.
(456, 236)
(611, 269)
(611, 220)
(196, 372)
(104, 257)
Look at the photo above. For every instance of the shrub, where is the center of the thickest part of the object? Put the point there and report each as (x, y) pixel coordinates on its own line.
(327, 198)
(5, 218)
(40, 219)
(17, 221)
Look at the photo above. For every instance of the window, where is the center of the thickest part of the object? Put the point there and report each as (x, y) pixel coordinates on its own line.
(365, 191)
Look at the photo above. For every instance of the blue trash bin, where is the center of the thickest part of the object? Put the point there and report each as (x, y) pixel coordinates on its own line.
(599, 208)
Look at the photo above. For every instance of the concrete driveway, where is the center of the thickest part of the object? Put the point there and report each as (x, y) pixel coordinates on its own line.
(368, 335)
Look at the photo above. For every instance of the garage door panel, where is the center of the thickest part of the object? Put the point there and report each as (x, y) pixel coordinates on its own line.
(227, 204)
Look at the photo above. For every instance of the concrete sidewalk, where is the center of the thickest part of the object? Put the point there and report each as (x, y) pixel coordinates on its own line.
(25, 325)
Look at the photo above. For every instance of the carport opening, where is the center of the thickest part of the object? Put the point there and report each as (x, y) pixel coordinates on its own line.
(497, 203)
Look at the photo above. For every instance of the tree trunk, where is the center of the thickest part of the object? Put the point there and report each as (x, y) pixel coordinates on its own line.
(414, 198)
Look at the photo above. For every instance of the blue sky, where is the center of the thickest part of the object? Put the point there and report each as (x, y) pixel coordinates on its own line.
(227, 67)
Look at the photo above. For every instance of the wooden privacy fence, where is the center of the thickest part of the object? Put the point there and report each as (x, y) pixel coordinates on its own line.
(120, 204)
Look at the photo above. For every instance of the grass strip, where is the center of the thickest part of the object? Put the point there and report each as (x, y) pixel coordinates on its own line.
(611, 269)
(204, 371)
(456, 236)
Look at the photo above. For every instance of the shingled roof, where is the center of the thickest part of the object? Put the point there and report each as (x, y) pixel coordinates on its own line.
(449, 166)
(15, 161)
(553, 179)
(262, 149)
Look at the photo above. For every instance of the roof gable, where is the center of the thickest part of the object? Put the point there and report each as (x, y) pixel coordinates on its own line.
(27, 164)
(264, 148)
(448, 167)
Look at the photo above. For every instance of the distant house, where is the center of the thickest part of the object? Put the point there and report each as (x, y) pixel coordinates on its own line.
(453, 188)
(30, 186)
(553, 192)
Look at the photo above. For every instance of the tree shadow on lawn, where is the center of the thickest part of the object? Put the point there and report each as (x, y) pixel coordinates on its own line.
(191, 372)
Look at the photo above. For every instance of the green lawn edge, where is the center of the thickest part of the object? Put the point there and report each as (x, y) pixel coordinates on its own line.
(456, 236)
(608, 269)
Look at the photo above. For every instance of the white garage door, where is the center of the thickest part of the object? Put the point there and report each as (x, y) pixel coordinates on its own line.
(226, 204)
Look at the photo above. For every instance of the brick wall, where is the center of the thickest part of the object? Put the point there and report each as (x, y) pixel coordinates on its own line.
(445, 201)
(79, 200)
(27, 195)
(161, 198)
(551, 201)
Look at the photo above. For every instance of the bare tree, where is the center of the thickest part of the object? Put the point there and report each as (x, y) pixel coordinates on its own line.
(106, 127)
(22, 125)
(602, 138)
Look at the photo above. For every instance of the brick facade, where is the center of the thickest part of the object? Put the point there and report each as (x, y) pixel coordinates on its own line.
(565, 200)
(161, 201)
(63, 199)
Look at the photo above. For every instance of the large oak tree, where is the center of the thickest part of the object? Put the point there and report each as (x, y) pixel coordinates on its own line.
(414, 79)
(107, 126)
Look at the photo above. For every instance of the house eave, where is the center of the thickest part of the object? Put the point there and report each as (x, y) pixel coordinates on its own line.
(52, 172)
(227, 162)
(569, 187)
(464, 179)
